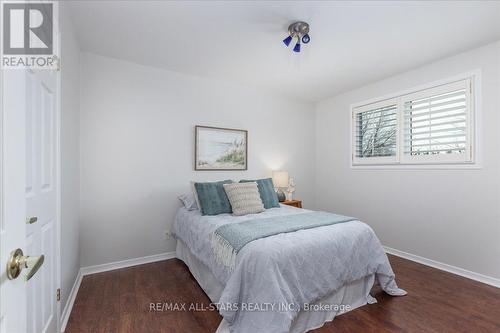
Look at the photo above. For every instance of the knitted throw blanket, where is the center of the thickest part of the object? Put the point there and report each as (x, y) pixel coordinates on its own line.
(229, 239)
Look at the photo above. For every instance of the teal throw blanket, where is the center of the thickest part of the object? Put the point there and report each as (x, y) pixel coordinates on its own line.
(230, 238)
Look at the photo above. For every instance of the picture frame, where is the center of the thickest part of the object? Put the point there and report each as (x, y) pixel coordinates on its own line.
(220, 149)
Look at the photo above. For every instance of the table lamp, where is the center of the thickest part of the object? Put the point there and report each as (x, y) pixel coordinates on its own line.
(280, 181)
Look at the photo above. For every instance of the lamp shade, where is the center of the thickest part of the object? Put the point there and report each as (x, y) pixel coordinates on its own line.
(287, 40)
(297, 47)
(280, 178)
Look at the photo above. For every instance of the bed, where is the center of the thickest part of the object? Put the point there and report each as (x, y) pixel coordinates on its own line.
(290, 282)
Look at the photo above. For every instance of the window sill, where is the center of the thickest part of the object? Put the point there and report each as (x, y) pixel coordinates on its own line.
(443, 166)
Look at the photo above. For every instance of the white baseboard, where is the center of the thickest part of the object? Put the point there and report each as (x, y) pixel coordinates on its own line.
(104, 268)
(71, 300)
(445, 267)
(126, 263)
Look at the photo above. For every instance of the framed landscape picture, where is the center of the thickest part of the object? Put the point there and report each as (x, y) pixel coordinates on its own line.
(220, 148)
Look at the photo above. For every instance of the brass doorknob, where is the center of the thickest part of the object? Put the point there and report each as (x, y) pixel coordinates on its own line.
(18, 261)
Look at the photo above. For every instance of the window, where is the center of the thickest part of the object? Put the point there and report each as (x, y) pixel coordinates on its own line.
(425, 127)
(376, 132)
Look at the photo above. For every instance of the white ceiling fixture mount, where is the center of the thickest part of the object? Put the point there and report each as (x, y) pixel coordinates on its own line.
(299, 30)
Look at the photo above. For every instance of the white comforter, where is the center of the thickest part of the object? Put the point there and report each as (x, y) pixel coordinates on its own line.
(283, 272)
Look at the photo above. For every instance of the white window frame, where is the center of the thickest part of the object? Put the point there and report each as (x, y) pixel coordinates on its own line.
(470, 81)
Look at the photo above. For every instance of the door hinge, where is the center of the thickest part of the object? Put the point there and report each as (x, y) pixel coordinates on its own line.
(58, 294)
(57, 61)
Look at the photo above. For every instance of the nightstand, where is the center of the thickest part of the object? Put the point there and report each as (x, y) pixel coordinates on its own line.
(294, 203)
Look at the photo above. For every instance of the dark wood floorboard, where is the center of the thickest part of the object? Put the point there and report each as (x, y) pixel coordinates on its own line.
(119, 301)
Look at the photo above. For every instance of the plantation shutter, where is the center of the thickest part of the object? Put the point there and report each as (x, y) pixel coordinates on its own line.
(428, 126)
(436, 124)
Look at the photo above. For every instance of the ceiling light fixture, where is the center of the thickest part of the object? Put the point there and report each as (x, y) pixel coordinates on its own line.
(299, 30)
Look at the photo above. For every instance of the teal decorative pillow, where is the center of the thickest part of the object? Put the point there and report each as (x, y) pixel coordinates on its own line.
(266, 191)
(212, 198)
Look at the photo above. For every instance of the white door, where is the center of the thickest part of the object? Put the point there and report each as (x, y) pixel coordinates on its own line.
(13, 205)
(41, 195)
(30, 190)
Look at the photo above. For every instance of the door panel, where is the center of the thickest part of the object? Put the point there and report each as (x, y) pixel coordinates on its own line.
(13, 293)
(41, 198)
(47, 137)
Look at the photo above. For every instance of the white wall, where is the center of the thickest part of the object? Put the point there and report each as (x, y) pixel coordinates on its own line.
(70, 154)
(137, 147)
(451, 216)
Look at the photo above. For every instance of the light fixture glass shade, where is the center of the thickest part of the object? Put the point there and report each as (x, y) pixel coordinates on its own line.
(280, 179)
(306, 39)
(297, 47)
(287, 40)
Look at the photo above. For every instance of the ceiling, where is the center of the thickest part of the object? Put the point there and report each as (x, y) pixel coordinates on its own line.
(352, 43)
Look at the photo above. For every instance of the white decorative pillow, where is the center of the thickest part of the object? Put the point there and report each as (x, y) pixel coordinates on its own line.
(195, 195)
(244, 198)
(189, 201)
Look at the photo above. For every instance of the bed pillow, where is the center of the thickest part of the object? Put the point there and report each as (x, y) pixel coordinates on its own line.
(212, 198)
(189, 201)
(244, 198)
(195, 195)
(266, 190)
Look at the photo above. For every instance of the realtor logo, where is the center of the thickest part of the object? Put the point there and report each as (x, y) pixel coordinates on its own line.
(28, 35)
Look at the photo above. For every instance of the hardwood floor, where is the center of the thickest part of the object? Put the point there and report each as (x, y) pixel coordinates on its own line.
(119, 301)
